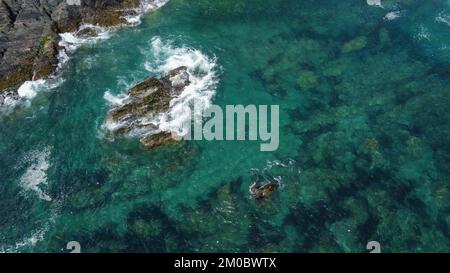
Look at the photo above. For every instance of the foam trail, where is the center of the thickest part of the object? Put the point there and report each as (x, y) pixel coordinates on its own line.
(423, 34)
(34, 238)
(376, 3)
(35, 177)
(392, 15)
(443, 18)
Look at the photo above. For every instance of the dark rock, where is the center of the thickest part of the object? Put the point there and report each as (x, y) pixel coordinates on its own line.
(146, 101)
(157, 140)
(261, 191)
(87, 32)
(29, 33)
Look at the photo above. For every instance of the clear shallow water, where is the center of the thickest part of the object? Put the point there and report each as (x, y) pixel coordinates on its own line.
(363, 152)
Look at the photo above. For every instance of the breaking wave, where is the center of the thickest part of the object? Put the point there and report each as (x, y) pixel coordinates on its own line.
(144, 7)
(203, 74)
(70, 41)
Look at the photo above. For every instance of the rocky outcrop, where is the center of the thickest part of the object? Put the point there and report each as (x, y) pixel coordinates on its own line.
(29, 33)
(157, 140)
(144, 103)
(262, 191)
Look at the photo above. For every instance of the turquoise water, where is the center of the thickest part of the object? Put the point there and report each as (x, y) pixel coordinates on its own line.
(364, 131)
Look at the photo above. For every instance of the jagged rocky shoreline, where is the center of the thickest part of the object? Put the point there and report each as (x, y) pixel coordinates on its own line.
(29, 33)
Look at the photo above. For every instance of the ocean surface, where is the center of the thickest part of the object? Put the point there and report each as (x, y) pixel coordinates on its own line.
(363, 90)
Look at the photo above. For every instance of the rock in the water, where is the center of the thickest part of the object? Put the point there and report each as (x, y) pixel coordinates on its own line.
(145, 102)
(87, 32)
(158, 140)
(354, 45)
(261, 191)
(308, 80)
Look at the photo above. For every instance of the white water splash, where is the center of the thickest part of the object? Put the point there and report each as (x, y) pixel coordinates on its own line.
(145, 6)
(30, 241)
(392, 15)
(164, 57)
(203, 76)
(35, 177)
(70, 41)
(29, 89)
(376, 3)
(443, 18)
(114, 100)
(423, 33)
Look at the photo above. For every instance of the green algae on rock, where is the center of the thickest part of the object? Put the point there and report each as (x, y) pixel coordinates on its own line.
(354, 45)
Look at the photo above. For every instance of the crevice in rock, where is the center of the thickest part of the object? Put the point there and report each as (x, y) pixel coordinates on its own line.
(48, 13)
(2, 54)
(12, 16)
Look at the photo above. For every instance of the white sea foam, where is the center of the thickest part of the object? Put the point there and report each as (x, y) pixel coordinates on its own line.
(114, 100)
(203, 75)
(70, 41)
(423, 34)
(29, 89)
(145, 6)
(35, 177)
(443, 18)
(376, 3)
(32, 240)
(392, 15)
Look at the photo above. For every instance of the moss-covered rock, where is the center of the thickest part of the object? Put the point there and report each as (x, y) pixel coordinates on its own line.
(354, 45)
(308, 80)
